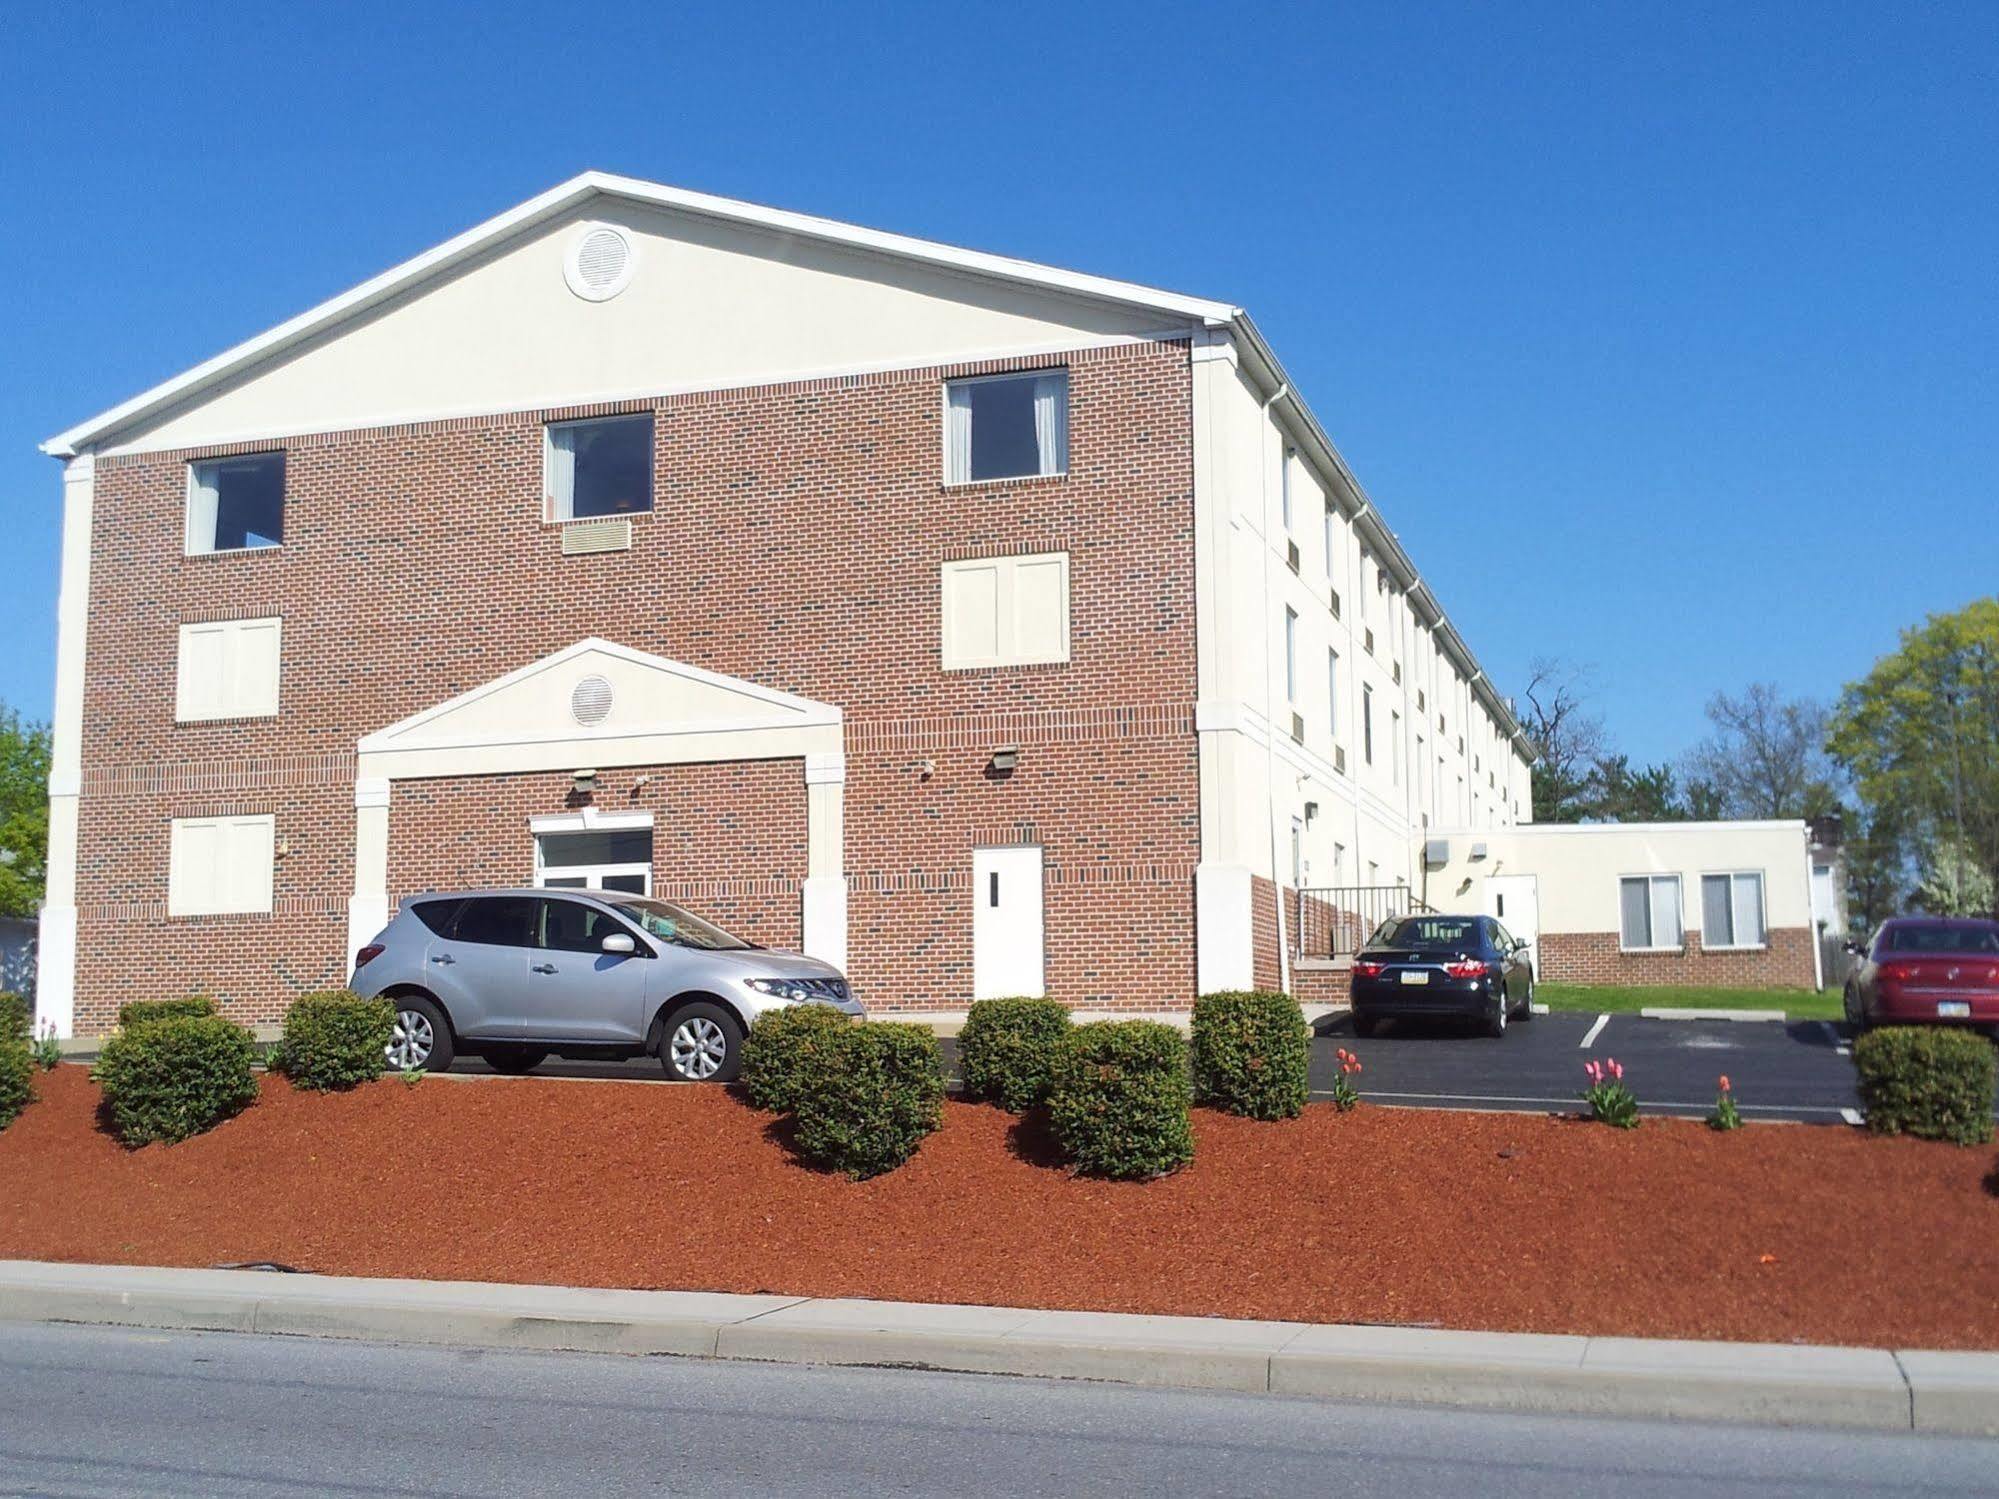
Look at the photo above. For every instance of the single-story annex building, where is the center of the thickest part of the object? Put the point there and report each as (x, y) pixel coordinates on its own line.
(983, 627)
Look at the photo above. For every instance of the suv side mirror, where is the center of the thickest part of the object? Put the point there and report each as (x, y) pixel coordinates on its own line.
(620, 944)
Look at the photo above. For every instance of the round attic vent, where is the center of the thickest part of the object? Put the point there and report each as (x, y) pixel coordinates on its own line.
(599, 264)
(590, 703)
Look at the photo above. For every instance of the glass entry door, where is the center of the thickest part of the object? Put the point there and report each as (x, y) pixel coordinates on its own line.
(598, 859)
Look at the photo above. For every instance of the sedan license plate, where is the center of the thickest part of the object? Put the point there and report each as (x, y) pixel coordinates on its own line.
(1415, 976)
(1953, 1009)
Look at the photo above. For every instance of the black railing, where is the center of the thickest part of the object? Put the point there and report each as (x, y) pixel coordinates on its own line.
(1334, 920)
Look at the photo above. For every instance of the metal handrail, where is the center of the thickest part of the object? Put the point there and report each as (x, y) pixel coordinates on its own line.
(1332, 921)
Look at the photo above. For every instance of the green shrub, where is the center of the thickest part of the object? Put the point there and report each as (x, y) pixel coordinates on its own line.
(335, 1039)
(17, 1070)
(171, 1079)
(146, 1011)
(775, 1050)
(1007, 1047)
(1249, 1052)
(1118, 1099)
(17, 1016)
(1926, 1080)
(866, 1097)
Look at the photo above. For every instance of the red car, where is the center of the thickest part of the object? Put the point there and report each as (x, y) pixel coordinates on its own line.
(1933, 969)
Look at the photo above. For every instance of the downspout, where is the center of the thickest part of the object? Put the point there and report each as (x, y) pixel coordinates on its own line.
(1269, 687)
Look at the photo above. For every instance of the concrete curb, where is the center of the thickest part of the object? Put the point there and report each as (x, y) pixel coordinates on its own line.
(1763, 1384)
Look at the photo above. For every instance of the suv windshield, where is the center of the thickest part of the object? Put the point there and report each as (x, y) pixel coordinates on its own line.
(1431, 933)
(682, 928)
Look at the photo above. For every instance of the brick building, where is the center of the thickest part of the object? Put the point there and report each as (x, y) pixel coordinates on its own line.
(983, 627)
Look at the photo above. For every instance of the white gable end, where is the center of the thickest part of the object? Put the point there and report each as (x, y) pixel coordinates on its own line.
(599, 704)
(707, 303)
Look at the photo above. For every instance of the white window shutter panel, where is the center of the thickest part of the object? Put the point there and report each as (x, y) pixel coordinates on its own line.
(971, 614)
(1041, 609)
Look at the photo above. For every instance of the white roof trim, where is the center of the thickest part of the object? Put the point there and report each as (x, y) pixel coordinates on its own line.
(560, 199)
(805, 712)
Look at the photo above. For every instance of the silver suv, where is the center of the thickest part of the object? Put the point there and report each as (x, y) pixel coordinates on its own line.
(514, 975)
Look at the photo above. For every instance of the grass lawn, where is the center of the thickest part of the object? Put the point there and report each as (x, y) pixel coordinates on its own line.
(1802, 1004)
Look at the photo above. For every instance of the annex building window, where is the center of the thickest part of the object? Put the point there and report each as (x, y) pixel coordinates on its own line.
(1648, 912)
(1006, 427)
(1732, 910)
(219, 865)
(1005, 611)
(227, 668)
(236, 504)
(600, 467)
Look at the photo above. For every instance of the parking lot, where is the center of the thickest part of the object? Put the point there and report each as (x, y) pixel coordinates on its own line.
(1799, 1070)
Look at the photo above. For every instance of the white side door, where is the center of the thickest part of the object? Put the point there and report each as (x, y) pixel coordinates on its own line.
(1516, 900)
(1007, 954)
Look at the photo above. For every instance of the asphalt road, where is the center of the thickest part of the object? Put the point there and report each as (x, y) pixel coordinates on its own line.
(1799, 1071)
(101, 1411)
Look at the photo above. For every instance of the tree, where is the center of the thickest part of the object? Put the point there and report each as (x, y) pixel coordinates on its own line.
(1953, 883)
(1648, 794)
(24, 813)
(1919, 733)
(1567, 737)
(1766, 756)
(1877, 867)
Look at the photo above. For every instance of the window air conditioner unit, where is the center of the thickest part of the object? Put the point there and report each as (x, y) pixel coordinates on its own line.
(1298, 727)
(1436, 852)
(1291, 554)
(1340, 758)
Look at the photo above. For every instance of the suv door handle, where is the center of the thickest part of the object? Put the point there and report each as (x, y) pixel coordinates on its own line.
(542, 968)
(444, 957)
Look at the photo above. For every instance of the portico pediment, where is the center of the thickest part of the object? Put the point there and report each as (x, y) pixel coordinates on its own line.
(598, 703)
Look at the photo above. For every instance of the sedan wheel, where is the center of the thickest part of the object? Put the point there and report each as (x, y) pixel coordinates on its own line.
(703, 1044)
(1495, 1025)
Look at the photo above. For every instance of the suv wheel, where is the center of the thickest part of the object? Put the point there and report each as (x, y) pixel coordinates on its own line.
(515, 1060)
(702, 1044)
(421, 1039)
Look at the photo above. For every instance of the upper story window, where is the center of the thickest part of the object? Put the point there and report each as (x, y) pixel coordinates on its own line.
(1284, 485)
(598, 467)
(1290, 654)
(236, 504)
(1006, 427)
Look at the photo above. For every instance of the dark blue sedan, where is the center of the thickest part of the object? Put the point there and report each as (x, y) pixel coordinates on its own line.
(1465, 966)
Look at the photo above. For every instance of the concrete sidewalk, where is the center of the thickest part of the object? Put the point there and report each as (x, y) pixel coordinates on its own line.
(1737, 1382)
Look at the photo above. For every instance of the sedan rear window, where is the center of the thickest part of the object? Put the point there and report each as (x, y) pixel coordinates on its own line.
(1432, 933)
(1978, 937)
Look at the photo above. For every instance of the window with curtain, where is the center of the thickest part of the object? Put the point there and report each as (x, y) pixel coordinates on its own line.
(1732, 910)
(1649, 911)
(1290, 655)
(598, 468)
(236, 504)
(1006, 427)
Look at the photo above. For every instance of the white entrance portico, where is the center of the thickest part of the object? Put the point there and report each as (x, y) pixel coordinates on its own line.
(595, 705)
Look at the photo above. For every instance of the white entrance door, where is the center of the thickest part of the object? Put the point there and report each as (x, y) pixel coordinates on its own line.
(1006, 923)
(1516, 900)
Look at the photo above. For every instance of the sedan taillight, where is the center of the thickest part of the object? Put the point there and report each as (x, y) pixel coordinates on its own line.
(368, 954)
(1465, 968)
(1369, 970)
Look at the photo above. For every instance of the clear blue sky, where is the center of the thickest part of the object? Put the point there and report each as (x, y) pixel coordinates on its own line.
(1664, 334)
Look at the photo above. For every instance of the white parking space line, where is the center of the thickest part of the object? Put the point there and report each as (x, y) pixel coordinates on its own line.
(1594, 1031)
(1851, 1116)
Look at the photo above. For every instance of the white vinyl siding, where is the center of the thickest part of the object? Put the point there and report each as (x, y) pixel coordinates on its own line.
(1649, 912)
(220, 865)
(1732, 910)
(227, 668)
(1005, 611)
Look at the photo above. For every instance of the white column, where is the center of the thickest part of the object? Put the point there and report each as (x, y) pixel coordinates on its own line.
(825, 891)
(368, 906)
(55, 979)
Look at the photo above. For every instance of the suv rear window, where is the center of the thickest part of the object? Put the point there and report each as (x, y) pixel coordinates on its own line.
(497, 921)
(436, 914)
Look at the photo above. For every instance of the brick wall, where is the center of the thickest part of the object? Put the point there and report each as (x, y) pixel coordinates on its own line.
(795, 541)
(1594, 958)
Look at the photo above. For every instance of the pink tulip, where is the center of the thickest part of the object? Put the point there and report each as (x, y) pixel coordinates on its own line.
(1616, 1070)
(1724, 1082)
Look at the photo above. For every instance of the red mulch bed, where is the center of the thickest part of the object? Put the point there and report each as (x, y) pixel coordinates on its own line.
(1774, 1233)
